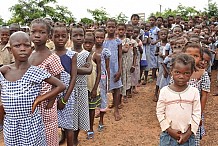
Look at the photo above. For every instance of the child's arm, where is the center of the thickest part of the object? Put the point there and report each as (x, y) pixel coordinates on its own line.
(86, 70)
(107, 63)
(118, 74)
(58, 87)
(185, 136)
(97, 60)
(2, 113)
(165, 69)
(61, 102)
(132, 69)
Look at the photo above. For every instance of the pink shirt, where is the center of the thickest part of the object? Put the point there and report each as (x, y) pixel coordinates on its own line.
(178, 110)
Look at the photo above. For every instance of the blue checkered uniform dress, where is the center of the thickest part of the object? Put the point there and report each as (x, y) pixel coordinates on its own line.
(65, 116)
(21, 128)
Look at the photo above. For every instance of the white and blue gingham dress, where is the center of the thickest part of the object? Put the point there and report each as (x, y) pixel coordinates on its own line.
(65, 116)
(21, 127)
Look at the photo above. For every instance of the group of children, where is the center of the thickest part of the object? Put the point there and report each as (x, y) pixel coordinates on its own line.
(62, 86)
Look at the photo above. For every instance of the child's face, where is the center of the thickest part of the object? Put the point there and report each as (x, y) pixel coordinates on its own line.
(181, 73)
(4, 35)
(20, 46)
(135, 20)
(99, 38)
(111, 27)
(177, 31)
(60, 37)
(77, 36)
(152, 21)
(88, 43)
(39, 34)
(121, 31)
(163, 35)
(205, 62)
(135, 33)
(194, 52)
(129, 32)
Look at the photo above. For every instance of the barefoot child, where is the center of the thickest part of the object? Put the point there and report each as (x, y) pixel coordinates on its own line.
(44, 58)
(115, 46)
(20, 94)
(93, 81)
(178, 108)
(68, 76)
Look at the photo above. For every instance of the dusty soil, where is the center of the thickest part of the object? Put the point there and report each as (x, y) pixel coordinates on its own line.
(139, 125)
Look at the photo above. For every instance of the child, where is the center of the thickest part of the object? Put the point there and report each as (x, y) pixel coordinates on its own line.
(93, 81)
(178, 106)
(115, 46)
(84, 68)
(68, 76)
(162, 50)
(105, 73)
(44, 58)
(201, 80)
(21, 84)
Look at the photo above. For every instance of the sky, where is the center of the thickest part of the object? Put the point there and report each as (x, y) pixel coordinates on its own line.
(113, 7)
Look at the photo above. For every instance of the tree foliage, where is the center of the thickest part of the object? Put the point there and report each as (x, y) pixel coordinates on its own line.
(27, 10)
(86, 21)
(99, 15)
(121, 18)
(212, 9)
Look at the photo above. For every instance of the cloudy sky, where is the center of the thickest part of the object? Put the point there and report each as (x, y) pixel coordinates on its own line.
(113, 7)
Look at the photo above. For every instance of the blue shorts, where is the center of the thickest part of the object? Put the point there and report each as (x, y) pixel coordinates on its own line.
(167, 140)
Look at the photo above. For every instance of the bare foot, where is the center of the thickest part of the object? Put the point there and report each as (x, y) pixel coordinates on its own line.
(120, 106)
(117, 116)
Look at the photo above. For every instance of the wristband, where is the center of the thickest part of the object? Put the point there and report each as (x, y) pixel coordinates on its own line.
(62, 100)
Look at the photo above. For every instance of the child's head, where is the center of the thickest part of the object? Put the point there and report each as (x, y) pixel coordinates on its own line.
(111, 26)
(99, 37)
(207, 55)
(59, 35)
(135, 19)
(20, 46)
(39, 31)
(194, 39)
(136, 32)
(159, 21)
(152, 21)
(129, 30)
(14, 27)
(77, 35)
(89, 41)
(121, 29)
(195, 50)
(4, 35)
(163, 34)
(177, 30)
(183, 65)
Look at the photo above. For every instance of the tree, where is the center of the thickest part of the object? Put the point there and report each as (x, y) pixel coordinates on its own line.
(1, 21)
(27, 10)
(121, 18)
(86, 21)
(99, 15)
(212, 9)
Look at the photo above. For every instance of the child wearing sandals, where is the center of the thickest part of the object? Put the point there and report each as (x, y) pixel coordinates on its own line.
(68, 76)
(93, 81)
(20, 95)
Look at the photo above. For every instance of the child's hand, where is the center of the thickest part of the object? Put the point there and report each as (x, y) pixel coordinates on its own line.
(87, 65)
(93, 93)
(117, 76)
(184, 137)
(35, 103)
(174, 133)
(132, 69)
(60, 105)
(50, 104)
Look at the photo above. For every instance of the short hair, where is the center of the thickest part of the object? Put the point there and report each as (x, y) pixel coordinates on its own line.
(121, 24)
(135, 15)
(185, 59)
(193, 45)
(59, 25)
(42, 21)
(208, 52)
(111, 20)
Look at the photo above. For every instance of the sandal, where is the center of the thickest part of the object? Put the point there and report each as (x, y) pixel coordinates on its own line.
(90, 135)
(100, 128)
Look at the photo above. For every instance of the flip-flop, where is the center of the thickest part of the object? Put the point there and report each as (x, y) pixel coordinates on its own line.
(90, 135)
(100, 128)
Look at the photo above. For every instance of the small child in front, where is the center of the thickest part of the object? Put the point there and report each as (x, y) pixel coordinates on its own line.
(178, 107)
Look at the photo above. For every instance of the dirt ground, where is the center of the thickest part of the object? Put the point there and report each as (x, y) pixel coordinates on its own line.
(139, 125)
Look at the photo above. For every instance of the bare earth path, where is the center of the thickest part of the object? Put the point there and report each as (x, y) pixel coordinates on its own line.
(139, 125)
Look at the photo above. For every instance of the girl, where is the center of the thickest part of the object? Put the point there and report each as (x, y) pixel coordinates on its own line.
(115, 46)
(84, 68)
(68, 76)
(162, 50)
(44, 58)
(93, 81)
(178, 107)
(20, 87)
(201, 80)
(105, 73)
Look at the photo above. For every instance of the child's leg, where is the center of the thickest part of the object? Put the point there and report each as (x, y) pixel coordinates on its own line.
(2, 113)
(91, 117)
(156, 93)
(154, 70)
(63, 136)
(75, 137)
(101, 121)
(116, 99)
(69, 133)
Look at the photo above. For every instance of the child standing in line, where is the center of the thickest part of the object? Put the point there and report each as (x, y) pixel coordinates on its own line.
(162, 50)
(84, 68)
(68, 76)
(93, 81)
(126, 76)
(20, 94)
(115, 46)
(178, 107)
(201, 80)
(44, 58)
(105, 73)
